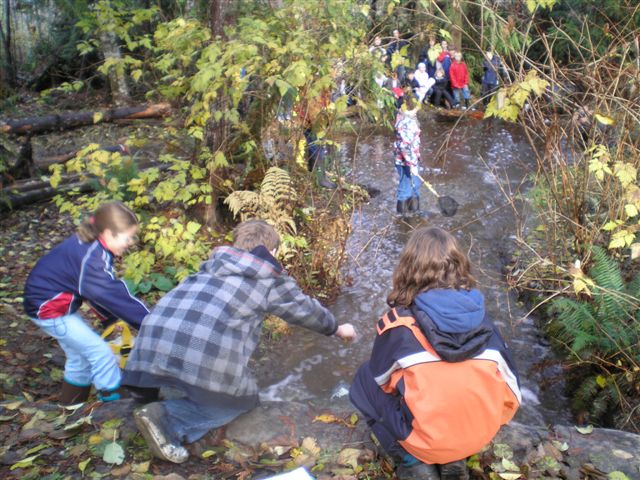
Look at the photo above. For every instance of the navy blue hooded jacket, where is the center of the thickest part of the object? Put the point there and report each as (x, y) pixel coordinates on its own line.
(74, 271)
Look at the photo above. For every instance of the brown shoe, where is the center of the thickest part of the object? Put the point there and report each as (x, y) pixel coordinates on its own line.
(73, 394)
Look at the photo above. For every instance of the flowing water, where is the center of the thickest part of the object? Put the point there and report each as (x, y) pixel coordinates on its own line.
(483, 167)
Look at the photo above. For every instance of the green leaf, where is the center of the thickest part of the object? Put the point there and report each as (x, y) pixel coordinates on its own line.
(617, 475)
(509, 465)
(193, 227)
(83, 465)
(162, 283)
(503, 450)
(25, 462)
(113, 453)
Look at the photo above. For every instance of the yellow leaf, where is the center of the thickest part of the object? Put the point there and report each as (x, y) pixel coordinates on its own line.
(510, 476)
(579, 285)
(601, 381)
(585, 430)
(635, 250)
(327, 418)
(97, 116)
(353, 419)
(208, 453)
(604, 120)
(95, 439)
(140, 467)
(631, 210)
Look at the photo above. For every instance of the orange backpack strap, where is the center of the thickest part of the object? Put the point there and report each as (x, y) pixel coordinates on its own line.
(392, 319)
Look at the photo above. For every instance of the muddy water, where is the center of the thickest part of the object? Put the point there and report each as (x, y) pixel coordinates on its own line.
(483, 168)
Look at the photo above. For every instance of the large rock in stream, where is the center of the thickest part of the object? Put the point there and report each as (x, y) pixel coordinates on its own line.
(537, 452)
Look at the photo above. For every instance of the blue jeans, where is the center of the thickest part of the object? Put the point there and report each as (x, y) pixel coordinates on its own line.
(189, 421)
(89, 357)
(465, 93)
(409, 185)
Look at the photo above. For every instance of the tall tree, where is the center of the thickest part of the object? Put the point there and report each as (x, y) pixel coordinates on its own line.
(9, 75)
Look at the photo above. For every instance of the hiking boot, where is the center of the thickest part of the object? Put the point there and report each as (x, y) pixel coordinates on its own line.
(454, 471)
(419, 471)
(211, 439)
(73, 394)
(150, 423)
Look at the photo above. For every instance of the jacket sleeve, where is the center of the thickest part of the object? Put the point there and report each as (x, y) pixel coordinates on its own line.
(388, 348)
(287, 301)
(108, 295)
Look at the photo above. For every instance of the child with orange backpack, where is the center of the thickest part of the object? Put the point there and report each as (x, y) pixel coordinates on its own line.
(440, 381)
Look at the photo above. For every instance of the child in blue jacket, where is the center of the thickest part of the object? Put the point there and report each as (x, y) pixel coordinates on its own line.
(81, 269)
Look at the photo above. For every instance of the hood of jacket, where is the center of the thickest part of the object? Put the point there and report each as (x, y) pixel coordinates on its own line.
(454, 322)
(230, 261)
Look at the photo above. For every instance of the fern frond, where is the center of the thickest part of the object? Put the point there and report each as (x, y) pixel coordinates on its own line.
(610, 292)
(243, 203)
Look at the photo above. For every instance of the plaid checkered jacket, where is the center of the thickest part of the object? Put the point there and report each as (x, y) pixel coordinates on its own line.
(201, 334)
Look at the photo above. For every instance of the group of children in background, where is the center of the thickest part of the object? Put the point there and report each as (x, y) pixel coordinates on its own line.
(447, 362)
(441, 75)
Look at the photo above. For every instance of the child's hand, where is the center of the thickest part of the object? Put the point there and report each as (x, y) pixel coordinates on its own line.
(346, 332)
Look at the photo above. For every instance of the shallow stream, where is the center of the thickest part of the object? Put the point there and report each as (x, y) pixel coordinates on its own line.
(483, 167)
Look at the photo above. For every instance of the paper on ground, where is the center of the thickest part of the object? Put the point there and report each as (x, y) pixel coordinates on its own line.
(297, 474)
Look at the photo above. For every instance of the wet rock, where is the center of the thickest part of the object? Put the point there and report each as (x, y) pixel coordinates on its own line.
(285, 423)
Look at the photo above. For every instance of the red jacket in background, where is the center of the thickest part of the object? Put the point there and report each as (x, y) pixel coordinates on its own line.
(458, 75)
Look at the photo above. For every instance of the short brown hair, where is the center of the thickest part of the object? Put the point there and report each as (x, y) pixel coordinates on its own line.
(431, 259)
(252, 233)
(115, 216)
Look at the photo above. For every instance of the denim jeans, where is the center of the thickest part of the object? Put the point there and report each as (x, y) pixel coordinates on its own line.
(89, 357)
(189, 421)
(409, 185)
(465, 93)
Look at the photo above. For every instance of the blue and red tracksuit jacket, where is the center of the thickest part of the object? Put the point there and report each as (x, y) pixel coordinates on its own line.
(74, 271)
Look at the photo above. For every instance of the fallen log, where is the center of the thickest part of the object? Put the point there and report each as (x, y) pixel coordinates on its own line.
(70, 120)
(28, 192)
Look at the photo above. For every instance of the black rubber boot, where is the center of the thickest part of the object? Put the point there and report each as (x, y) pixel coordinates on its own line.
(414, 204)
(324, 182)
(73, 394)
(466, 103)
(454, 471)
(401, 207)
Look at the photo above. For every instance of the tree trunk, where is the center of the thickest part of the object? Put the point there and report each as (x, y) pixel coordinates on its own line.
(9, 75)
(116, 76)
(66, 121)
(217, 132)
(458, 9)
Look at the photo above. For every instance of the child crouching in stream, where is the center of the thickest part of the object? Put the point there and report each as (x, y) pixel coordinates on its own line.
(440, 381)
(200, 336)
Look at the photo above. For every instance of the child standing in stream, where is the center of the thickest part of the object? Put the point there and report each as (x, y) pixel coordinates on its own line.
(407, 155)
(200, 336)
(80, 269)
(440, 381)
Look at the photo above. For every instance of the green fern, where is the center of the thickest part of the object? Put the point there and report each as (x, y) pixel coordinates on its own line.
(603, 333)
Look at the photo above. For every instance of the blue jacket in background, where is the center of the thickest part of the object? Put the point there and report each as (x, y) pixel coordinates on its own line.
(492, 69)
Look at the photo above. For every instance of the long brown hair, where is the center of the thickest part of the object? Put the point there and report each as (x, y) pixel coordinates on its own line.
(115, 216)
(431, 259)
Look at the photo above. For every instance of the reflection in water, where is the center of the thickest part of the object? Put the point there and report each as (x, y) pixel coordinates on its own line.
(482, 165)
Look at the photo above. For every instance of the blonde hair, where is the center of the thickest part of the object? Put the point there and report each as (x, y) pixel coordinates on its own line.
(115, 216)
(253, 233)
(431, 259)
